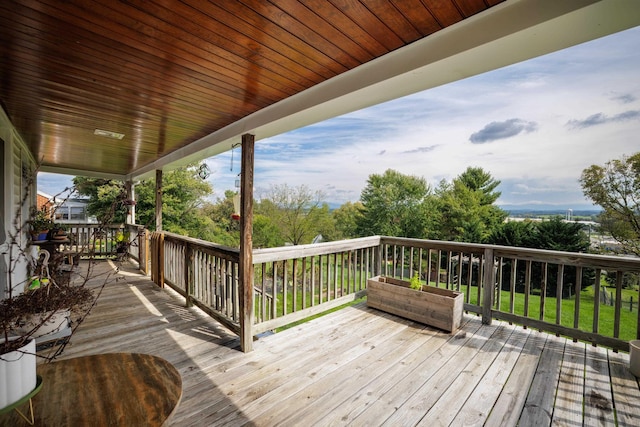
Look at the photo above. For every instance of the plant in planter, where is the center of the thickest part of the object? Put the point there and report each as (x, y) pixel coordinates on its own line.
(30, 315)
(31, 305)
(438, 307)
(122, 242)
(40, 223)
(58, 232)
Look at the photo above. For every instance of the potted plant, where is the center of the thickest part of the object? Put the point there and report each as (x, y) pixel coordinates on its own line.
(40, 223)
(58, 232)
(438, 307)
(40, 310)
(122, 242)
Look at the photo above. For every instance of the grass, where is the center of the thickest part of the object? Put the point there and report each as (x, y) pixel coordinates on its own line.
(628, 319)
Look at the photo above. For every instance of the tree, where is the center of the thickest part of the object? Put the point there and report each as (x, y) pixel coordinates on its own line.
(295, 211)
(393, 204)
(465, 207)
(476, 179)
(223, 229)
(265, 233)
(346, 219)
(554, 234)
(105, 198)
(515, 233)
(183, 194)
(557, 235)
(616, 188)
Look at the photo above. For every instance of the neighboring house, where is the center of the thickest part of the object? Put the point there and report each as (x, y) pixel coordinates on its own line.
(44, 201)
(73, 211)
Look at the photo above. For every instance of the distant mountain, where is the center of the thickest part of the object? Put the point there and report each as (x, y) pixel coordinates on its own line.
(536, 213)
(553, 209)
(532, 210)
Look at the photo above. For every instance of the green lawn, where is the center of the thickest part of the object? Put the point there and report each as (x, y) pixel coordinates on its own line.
(628, 319)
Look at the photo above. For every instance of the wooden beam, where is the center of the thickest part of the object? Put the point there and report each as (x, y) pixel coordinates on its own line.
(246, 243)
(159, 200)
(131, 209)
(489, 283)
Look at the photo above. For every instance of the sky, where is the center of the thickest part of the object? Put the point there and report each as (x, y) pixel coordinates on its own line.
(534, 126)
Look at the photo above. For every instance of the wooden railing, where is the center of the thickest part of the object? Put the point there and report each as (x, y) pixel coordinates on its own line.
(294, 282)
(104, 240)
(552, 291)
(205, 273)
(557, 292)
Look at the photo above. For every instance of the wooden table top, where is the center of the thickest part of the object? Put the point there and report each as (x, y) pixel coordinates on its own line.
(113, 389)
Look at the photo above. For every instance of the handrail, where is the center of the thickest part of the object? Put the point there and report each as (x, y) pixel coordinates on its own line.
(536, 288)
(531, 287)
(205, 273)
(295, 282)
(300, 251)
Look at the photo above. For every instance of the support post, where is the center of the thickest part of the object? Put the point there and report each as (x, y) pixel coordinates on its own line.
(245, 278)
(158, 200)
(131, 209)
(488, 284)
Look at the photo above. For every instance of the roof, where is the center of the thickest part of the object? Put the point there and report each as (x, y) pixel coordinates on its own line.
(118, 89)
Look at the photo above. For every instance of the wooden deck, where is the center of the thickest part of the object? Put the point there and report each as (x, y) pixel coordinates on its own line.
(361, 367)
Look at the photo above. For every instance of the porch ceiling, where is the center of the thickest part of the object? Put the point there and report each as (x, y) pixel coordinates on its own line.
(183, 79)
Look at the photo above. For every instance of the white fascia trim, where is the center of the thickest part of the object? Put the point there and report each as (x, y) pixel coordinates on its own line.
(510, 32)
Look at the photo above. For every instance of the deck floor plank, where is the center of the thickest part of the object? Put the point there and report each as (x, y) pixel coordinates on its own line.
(278, 362)
(394, 371)
(568, 406)
(478, 406)
(508, 408)
(408, 382)
(305, 392)
(625, 390)
(457, 394)
(598, 406)
(538, 408)
(263, 375)
(360, 366)
(414, 408)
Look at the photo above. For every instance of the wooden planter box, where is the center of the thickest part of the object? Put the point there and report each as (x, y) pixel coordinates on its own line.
(432, 306)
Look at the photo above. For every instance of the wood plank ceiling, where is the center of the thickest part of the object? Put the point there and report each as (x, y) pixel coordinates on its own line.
(165, 73)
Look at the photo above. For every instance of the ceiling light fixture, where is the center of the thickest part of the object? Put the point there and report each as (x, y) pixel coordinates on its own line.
(108, 134)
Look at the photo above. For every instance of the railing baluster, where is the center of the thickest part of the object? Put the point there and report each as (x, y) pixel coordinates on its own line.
(438, 261)
(527, 285)
(469, 278)
(294, 271)
(559, 293)
(618, 304)
(578, 289)
(596, 301)
(512, 285)
(498, 295)
(284, 288)
(335, 275)
(313, 280)
(543, 290)
(304, 283)
(488, 279)
(263, 291)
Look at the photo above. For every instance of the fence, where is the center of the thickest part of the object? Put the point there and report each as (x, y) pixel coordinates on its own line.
(552, 291)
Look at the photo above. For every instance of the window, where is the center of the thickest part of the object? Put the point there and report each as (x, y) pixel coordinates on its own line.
(77, 213)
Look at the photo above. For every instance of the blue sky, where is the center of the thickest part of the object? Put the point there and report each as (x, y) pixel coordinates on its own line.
(534, 126)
